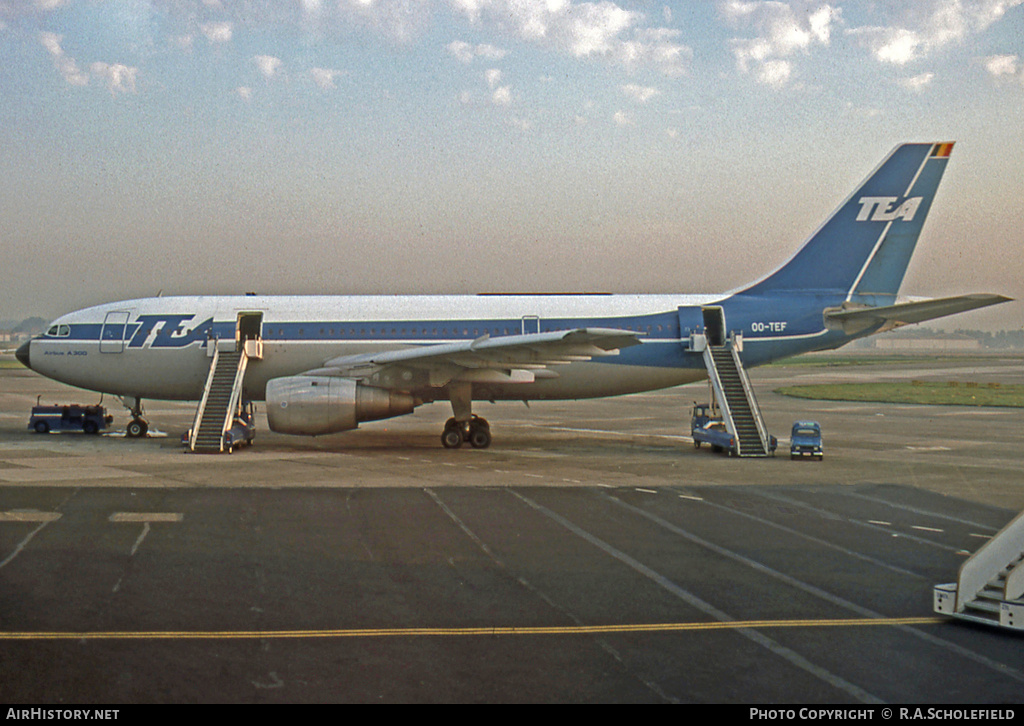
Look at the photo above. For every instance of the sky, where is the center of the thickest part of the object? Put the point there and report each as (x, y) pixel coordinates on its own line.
(461, 146)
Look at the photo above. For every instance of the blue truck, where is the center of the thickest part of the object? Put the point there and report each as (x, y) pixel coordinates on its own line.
(70, 417)
(805, 440)
(706, 428)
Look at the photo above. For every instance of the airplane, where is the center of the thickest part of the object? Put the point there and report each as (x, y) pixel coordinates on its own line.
(329, 363)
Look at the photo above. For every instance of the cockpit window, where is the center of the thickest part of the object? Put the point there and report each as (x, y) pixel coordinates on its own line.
(59, 331)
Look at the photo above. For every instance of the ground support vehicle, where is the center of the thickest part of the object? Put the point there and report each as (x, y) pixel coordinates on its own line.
(714, 434)
(241, 433)
(706, 427)
(805, 440)
(70, 417)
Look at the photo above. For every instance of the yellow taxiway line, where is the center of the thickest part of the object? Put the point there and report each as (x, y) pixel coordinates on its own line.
(493, 631)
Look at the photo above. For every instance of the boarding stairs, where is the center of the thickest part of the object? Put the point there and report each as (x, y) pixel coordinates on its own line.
(221, 400)
(990, 585)
(735, 396)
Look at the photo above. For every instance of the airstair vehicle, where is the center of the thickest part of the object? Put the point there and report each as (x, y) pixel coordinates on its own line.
(223, 419)
(731, 385)
(990, 586)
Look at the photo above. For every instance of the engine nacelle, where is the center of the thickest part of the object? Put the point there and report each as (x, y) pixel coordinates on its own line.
(316, 405)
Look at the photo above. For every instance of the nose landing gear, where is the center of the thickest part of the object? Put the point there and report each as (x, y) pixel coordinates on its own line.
(138, 426)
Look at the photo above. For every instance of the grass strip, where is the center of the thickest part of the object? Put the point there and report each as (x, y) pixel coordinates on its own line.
(951, 393)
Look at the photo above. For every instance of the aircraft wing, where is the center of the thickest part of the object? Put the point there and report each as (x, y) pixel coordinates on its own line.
(852, 320)
(505, 359)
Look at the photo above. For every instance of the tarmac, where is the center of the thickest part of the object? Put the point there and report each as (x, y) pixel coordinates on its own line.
(592, 554)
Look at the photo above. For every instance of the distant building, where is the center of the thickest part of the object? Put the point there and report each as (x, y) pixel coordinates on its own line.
(9, 338)
(940, 342)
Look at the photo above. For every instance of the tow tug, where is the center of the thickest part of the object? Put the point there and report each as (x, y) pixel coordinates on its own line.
(68, 417)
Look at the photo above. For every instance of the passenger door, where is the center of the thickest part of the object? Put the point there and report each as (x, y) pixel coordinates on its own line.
(112, 334)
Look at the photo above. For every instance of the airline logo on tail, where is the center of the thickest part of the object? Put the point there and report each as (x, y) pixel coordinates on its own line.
(887, 209)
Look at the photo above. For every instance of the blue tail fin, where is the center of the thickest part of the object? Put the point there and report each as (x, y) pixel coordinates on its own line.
(863, 249)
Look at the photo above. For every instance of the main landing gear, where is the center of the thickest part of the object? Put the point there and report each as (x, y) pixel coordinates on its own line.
(476, 431)
(464, 425)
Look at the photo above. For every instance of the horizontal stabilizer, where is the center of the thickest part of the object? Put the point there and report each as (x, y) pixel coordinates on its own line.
(852, 320)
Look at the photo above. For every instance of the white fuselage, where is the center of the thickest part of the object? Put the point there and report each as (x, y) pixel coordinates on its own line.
(158, 348)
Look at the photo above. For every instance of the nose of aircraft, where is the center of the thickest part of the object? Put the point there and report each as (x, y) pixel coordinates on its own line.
(22, 353)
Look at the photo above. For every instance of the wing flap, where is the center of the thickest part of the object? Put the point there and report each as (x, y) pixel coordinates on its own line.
(853, 320)
(504, 359)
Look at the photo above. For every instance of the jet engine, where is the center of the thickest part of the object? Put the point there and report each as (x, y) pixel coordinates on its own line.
(317, 405)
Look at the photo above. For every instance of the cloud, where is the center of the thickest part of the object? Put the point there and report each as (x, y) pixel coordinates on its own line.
(400, 20)
(917, 83)
(641, 94)
(590, 28)
(467, 53)
(217, 32)
(324, 77)
(862, 112)
(584, 30)
(502, 96)
(782, 30)
(898, 46)
(655, 47)
(267, 64)
(1003, 67)
(926, 27)
(118, 78)
(182, 42)
(622, 118)
(16, 9)
(775, 73)
(65, 64)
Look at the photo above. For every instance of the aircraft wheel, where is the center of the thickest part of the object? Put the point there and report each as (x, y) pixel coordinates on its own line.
(480, 437)
(137, 428)
(451, 438)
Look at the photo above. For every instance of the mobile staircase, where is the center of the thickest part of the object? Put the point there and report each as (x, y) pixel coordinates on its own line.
(990, 585)
(221, 404)
(733, 392)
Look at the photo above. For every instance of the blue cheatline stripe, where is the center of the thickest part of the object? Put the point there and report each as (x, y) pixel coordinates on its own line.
(658, 325)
